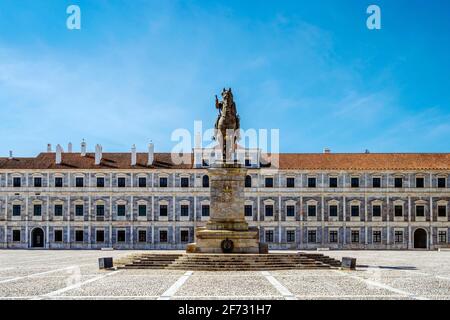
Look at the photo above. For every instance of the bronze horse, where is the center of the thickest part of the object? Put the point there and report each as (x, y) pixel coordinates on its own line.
(227, 124)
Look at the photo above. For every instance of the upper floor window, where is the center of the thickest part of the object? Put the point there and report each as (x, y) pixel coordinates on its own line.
(290, 211)
(142, 182)
(79, 182)
(58, 210)
(311, 182)
(312, 210)
(398, 211)
(376, 210)
(121, 182)
(205, 181)
(163, 182)
(333, 182)
(142, 210)
(37, 210)
(354, 209)
(269, 210)
(37, 182)
(100, 182)
(184, 182)
(441, 183)
(248, 210)
(79, 210)
(354, 182)
(248, 181)
(100, 210)
(398, 182)
(333, 210)
(420, 211)
(184, 210)
(58, 182)
(442, 211)
(269, 182)
(205, 210)
(17, 182)
(121, 210)
(290, 182)
(163, 210)
(16, 210)
(420, 182)
(376, 182)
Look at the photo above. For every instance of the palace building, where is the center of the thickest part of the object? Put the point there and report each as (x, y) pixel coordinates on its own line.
(80, 200)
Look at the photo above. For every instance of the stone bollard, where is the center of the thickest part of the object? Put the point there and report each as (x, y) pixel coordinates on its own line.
(105, 263)
(263, 248)
(348, 263)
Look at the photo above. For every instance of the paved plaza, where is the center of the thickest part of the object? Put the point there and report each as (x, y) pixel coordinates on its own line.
(37, 274)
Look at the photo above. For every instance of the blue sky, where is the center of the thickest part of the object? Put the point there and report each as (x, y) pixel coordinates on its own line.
(137, 70)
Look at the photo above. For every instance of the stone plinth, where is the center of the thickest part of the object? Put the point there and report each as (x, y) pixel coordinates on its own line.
(227, 218)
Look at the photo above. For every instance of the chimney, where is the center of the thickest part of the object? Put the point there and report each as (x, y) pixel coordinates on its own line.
(83, 148)
(59, 151)
(69, 147)
(10, 154)
(98, 154)
(151, 152)
(326, 150)
(49, 147)
(133, 155)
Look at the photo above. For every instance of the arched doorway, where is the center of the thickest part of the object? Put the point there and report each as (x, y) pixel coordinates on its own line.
(37, 238)
(420, 239)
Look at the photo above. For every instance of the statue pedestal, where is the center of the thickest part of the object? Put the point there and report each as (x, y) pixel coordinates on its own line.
(226, 231)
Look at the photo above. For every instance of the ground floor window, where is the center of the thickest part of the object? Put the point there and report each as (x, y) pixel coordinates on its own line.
(312, 236)
(184, 235)
(333, 236)
(290, 236)
(79, 235)
(120, 235)
(269, 235)
(37, 210)
(142, 236)
(355, 236)
(100, 235)
(58, 235)
(16, 235)
(442, 236)
(162, 235)
(398, 236)
(376, 236)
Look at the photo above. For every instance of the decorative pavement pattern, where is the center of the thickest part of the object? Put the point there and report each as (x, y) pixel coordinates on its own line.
(75, 275)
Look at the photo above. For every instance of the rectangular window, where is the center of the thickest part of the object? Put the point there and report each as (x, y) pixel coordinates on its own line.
(100, 182)
(37, 182)
(442, 235)
(290, 182)
(420, 211)
(398, 236)
(142, 210)
(376, 182)
(58, 182)
(269, 210)
(121, 182)
(58, 210)
(162, 235)
(269, 182)
(398, 182)
(248, 163)
(312, 236)
(184, 182)
(333, 236)
(441, 183)
(120, 235)
(184, 236)
(100, 210)
(79, 210)
(355, 236)
(16, 210)
(142, 236)
(163, 210)
(37, 210)
(269, 235)
(312, 209)
(163, 182)
(376, 210)
(121, 210)
(17, 181)
(79, 236)
(333, 182)
(376, 237)
(184, 210)
(16, 235)
(290, 235)
(290, 211)
(354, 182)
(398, 211)
(354, 211)
(205, 210)
(79, 182)
(100, 235)
(311, 182)
(142, 182)
(420, 182)
(442, 211)
(58, 236)
(248, 210)
(333, 210)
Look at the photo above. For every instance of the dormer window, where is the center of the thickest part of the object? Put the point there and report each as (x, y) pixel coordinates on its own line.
(121, 210)
(37, 210)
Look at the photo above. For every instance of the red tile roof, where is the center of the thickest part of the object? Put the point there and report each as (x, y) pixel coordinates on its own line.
(301, 161)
